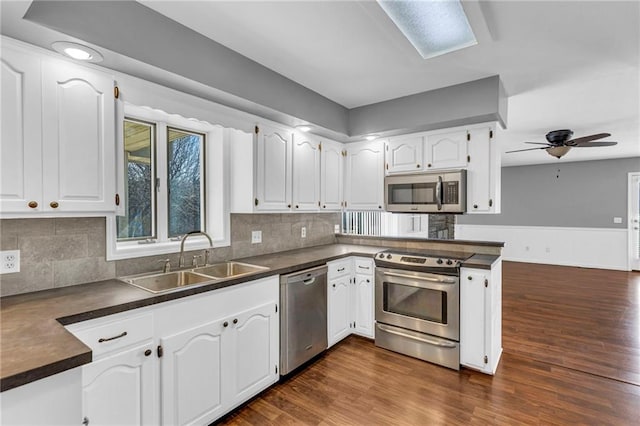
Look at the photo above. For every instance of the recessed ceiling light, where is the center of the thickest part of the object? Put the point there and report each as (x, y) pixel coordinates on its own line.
(371, 137)
(77, 51)
(433, 27)
(303, 128)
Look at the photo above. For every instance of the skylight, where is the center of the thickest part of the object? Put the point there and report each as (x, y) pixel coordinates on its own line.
(433, 27)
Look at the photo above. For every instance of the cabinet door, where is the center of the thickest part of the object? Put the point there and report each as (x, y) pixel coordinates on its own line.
(364, 305)
(273, 177)
(365, 176)
(338, 309)
(446, 150)
(404, 154)
(192, 374)
(479, 172)
(331, 175)
(473, 323)
(21, 143)
(306, 173)
(252, 353)
(120, 390)
(79, 139)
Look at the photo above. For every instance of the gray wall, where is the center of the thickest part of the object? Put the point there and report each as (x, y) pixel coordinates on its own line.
(135, 31)
(68, 251)
(585, 194)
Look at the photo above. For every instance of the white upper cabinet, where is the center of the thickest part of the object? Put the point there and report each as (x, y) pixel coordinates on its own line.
(306, 173)
(404, 154)
(364, 176)
(483, 172)
(79, 130)
(21, 147)
(273, 169)
(331, 175)
(446, 150)
(58, 136)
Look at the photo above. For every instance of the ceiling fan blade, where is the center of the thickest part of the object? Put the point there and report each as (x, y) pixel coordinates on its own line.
(539, 143)
(578, 141)
(593, 144)
(530, 149)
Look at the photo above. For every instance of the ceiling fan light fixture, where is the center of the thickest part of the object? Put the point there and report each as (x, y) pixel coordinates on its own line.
(558, 151)
(432, 27)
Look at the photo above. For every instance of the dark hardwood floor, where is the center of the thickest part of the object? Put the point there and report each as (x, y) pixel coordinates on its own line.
(571, 340)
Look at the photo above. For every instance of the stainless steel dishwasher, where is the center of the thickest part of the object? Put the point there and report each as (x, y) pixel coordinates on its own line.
(303, 320)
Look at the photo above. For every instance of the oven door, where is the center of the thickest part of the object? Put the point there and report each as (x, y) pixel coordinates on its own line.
(428, 303)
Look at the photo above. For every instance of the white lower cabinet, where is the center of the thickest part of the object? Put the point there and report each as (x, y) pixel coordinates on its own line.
(191, 370)
(183, 362)
(350, 298)
(363, 305)
(481, 317)
(339, 310)
(120, 390)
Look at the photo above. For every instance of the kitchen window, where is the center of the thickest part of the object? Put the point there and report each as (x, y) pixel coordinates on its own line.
(173, 183)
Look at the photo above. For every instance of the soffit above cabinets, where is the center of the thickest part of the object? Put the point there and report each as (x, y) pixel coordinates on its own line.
(342, 55)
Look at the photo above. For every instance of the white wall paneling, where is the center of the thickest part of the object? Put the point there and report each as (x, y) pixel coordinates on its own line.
(604, 248)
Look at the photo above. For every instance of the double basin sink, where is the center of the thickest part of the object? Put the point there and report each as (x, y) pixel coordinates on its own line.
(162, 282)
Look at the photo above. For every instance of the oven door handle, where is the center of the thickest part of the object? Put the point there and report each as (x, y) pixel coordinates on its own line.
(439, 193)
(439, 343)
(422, 278)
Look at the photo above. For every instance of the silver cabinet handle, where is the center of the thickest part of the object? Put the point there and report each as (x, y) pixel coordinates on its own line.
(420, 339)
(341, 269)
(106, 339)
(363, 267)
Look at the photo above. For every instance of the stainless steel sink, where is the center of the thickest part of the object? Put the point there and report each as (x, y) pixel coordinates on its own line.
(229, 269)
(158, 283)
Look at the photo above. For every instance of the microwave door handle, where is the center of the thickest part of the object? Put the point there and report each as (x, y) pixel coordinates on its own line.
(439, 192)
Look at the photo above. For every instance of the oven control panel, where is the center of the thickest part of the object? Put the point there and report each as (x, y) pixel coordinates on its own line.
(411, 259)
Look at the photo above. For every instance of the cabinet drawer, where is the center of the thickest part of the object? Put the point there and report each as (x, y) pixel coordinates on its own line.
(338, 268)
(115, 334)
(364, 266)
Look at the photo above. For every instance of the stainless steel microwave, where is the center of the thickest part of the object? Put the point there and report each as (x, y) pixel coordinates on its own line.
(434, 192)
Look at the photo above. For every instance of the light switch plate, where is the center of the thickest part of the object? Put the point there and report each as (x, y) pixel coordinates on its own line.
(336, 229)
(617, 220)
(256, 237)
(9, 261)
(303, 232)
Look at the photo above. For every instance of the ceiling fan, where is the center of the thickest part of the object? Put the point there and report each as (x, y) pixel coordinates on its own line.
(559, 142)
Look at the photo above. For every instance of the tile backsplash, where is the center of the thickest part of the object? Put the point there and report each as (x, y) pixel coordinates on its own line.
(60, 252)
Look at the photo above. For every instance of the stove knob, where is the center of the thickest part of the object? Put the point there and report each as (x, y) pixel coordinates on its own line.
(449, 262)
(439, 261)
(381, 256)
(389, 256)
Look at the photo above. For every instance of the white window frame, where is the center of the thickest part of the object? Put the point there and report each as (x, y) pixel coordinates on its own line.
(215, 183)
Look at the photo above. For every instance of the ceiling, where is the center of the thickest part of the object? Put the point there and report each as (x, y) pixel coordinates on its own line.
(572, 64)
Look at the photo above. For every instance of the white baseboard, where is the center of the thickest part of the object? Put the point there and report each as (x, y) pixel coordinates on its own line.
(603, 248)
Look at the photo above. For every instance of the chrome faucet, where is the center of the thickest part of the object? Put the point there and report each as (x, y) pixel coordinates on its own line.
(181, 261)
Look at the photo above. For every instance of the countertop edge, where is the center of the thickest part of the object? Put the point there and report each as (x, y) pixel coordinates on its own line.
(28, 376)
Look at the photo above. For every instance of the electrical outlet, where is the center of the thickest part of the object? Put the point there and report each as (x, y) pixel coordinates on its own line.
(617, 220)
(10, 261)
(303, 232)
(548, 249)
(256, 237)
(336, 229)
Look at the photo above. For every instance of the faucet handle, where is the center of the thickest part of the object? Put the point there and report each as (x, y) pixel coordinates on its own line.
(207, 255)
(194, 263)
(167, 265)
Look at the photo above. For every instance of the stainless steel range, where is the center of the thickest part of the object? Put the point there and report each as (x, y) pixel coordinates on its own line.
(417, 298)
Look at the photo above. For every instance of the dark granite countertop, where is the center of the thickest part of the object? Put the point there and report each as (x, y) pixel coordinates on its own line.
(480, 261)
(35, 343)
